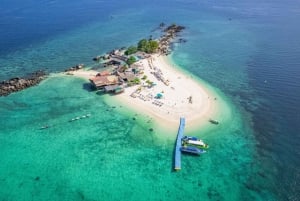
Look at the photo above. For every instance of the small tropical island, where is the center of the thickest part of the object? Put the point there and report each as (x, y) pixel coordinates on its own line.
(143, 78)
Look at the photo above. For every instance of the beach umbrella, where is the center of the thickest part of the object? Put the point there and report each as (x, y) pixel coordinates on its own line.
(159, 95)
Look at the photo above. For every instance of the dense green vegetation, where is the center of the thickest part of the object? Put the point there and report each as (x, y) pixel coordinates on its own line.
(144, 45)
(135, 81)
(131, 60)
(131, 50)
(148, 46)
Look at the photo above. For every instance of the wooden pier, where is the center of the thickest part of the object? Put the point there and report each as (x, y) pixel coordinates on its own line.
(177, 155)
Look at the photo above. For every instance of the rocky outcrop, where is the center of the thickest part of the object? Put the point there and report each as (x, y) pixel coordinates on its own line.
(182, 40)
(170, 33)
(74, 68)
(174, 28)
(161, 25)
(17, 84)
(97, 58)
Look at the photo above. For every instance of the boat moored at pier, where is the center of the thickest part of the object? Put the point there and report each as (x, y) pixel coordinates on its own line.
(193, 141)
(192, 150)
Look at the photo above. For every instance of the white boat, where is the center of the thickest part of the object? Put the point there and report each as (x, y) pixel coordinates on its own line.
(193, 141)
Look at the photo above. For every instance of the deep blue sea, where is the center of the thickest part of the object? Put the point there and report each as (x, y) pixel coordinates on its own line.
(247, 51)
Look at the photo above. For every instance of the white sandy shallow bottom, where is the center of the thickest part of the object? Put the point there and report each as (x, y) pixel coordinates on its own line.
(174, 103)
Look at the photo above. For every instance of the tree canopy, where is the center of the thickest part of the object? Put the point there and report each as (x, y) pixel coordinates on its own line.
(131, 60)
(131, 50)
(148, 46)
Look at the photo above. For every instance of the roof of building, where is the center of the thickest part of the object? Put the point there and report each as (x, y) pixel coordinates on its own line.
(100, 81)
(113, 62)
(119, 57)
(103, 73)
(127, 75)
(111, 87)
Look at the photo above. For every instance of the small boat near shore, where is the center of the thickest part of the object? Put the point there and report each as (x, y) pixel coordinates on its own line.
(193, 141)
(81, 117)
(213, 121)
(192, 150)
(44, 127)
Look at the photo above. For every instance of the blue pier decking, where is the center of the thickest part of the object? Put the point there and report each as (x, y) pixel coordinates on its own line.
(177, 162)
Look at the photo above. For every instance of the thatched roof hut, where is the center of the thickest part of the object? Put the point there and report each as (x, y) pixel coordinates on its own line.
(100, 82)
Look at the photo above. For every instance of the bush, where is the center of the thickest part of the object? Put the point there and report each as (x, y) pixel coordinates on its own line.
(137, 80)
(134, 82)
(153, 45)
(142, 44)
(131, 60)
(149, 82)
(131, 50)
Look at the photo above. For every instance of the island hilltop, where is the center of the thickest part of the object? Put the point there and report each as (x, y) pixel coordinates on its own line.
(146, 81)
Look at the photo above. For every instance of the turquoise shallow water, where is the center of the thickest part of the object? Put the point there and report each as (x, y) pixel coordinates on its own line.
(240, 49)
(107, 155)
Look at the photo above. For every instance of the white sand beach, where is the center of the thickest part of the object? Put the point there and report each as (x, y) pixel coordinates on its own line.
(181, 95)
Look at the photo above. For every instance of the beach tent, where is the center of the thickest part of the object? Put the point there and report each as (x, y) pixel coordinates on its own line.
(159, 96)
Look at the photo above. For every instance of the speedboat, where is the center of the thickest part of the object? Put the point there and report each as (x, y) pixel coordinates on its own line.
(193, 141)
(213, 121)
(44, 127)
(192, 150)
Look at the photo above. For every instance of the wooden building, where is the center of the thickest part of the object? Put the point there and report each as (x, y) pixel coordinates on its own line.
(114, 89)
(126, 76)
(99, 82)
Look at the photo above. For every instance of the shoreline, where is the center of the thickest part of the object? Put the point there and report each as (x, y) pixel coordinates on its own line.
(176, 96)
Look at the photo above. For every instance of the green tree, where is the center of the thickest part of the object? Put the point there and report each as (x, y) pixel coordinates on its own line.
(152, 46)
(131, 50)
(142, 44)
(149, 82)
(134, 81)
(148, 46)
(137, 80)
(131, 60)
